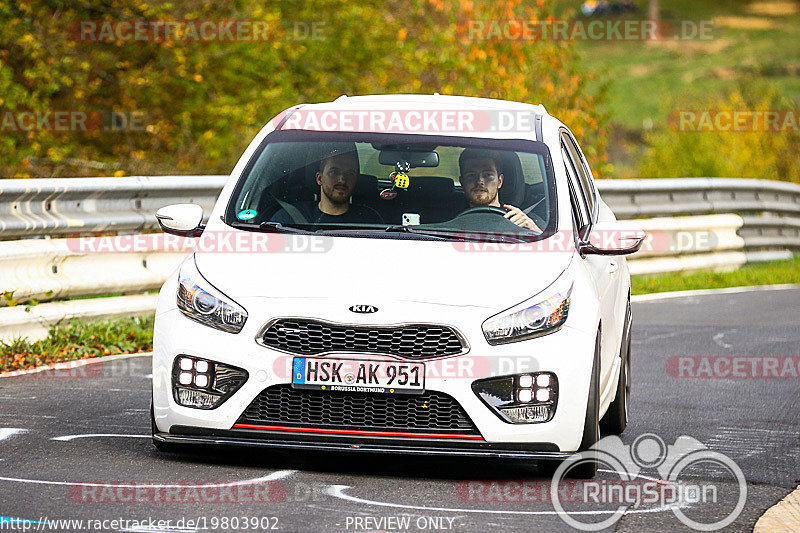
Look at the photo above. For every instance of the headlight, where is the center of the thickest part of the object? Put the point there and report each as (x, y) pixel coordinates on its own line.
(198, 300)
(546, 316)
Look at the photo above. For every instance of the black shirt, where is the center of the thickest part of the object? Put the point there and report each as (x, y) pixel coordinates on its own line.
(354, 215)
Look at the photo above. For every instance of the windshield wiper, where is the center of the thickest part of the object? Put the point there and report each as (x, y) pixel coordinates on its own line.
(271, 227)
(400, 229)
(444, 235)
(277, 227)
(466, 235)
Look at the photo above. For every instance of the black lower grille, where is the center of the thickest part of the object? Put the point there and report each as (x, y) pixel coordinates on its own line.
(430, 412)
(310, 337)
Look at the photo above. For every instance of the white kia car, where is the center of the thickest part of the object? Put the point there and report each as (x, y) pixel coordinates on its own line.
(403, 274)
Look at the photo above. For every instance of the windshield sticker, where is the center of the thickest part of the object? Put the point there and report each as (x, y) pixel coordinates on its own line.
(247, 214)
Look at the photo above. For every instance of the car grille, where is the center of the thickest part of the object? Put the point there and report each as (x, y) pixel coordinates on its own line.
(416, 341)
(431, 411)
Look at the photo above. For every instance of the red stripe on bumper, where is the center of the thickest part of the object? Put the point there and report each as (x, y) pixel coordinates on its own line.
(359, 432)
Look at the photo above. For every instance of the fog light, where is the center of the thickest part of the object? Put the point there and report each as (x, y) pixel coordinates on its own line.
(538, 413)
(204, 384)
(193, 398)
(522, 398)
(542, 395)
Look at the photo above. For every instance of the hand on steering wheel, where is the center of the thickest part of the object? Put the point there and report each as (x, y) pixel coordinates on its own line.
(519, 218)
(513, 214)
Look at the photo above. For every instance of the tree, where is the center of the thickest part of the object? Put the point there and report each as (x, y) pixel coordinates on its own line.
(202, 102)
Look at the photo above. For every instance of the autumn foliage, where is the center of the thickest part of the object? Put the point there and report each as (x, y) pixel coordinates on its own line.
(200, 102)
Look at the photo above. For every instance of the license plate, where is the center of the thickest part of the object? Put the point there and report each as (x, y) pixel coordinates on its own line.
(356, 375)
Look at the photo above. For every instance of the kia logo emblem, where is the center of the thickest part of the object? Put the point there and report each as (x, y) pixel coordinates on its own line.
(363, 309)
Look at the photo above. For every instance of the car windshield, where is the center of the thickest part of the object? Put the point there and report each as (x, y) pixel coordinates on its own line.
(365, 184)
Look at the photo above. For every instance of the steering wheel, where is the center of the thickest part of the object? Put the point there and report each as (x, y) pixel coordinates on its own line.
(492, 210)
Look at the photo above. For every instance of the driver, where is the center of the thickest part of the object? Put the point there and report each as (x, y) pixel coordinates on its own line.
(336, 177)
(481, 180)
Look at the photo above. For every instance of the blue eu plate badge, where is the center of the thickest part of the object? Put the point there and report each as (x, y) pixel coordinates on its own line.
(299, 371)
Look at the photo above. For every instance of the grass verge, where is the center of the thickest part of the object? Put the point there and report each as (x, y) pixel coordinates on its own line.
(769, 273)
(78, 340)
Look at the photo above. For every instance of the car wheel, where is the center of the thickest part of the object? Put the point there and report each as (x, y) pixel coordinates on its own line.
(591, 425)
(616, 418)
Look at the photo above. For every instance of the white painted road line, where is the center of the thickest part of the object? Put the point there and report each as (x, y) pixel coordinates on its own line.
(338, 491)
(65, 438)
(8, 432)
(278, 474)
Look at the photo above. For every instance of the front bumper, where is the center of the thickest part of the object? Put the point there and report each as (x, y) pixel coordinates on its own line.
(566, 353)
(327, 443)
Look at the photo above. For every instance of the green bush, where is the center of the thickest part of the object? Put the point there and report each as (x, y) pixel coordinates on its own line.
(761, 154)
(79, 339)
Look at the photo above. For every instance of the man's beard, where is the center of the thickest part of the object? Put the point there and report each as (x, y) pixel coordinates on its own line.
(336, 196)
(482, 198)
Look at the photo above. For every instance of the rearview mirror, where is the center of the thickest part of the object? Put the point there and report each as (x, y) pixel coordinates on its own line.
(415, 159)
(612, 238)
(185, 220)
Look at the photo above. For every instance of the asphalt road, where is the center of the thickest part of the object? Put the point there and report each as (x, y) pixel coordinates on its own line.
(74, 444)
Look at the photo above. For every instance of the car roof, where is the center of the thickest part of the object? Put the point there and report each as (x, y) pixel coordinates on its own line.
(429, 102)
(414, 101)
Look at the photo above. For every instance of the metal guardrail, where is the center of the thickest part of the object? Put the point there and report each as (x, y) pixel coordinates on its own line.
(61, 206)
(30, 207)
(638, 198)
(743, 220)
(770, 209)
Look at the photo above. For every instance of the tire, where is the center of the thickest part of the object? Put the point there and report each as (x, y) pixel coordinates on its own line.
(616, 418)
(591, 425)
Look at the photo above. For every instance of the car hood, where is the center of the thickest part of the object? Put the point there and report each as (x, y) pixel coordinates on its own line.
(373, 271)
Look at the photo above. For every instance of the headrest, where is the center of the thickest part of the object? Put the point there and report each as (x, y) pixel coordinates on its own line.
(431, 187)
(513, 190)
(366, 187)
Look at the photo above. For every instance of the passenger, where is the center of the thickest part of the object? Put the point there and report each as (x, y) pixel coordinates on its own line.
(481, 180)
(336, 177)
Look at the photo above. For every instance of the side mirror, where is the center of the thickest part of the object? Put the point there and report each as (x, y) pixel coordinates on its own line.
(185, 220)
(612, 238)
